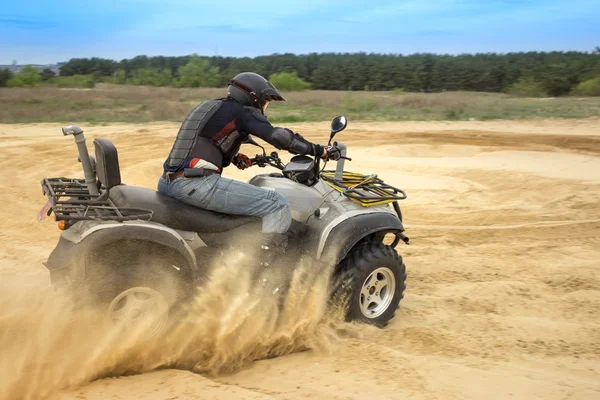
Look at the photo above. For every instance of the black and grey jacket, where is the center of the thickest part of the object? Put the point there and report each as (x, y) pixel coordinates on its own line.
(215, 130)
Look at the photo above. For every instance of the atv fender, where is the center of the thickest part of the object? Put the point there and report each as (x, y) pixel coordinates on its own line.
(82, 238)
(345, 235)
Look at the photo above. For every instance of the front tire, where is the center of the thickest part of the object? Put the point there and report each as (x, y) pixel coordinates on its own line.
(370, 284)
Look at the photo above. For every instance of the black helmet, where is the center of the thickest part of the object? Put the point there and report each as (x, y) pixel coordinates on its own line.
(253, 90)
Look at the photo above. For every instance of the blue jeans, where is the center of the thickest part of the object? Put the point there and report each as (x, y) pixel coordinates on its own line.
(228, 196)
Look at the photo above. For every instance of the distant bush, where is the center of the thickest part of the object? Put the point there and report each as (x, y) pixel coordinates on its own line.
(454, 112)
(526, 86)
(120, 77)
(14, 82)
(73, 81)
(29, 76)
(5, 76)
(151, 77)
(198, 73)
(289, 81)
(591, 87)
(558, 79)
(47, 74)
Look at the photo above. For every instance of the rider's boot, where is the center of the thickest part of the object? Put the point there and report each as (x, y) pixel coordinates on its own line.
(273, 245)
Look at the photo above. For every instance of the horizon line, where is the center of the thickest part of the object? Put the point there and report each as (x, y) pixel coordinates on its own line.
(592, 51)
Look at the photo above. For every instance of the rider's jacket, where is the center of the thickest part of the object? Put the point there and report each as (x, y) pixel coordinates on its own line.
(214, 131)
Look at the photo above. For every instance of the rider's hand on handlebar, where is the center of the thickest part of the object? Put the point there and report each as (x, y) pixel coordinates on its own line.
(242, 161)
(331, 153)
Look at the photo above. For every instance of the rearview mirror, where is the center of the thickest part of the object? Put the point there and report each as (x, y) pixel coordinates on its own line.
(338, 124)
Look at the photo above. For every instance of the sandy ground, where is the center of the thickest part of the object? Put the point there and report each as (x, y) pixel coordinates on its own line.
(503, 297)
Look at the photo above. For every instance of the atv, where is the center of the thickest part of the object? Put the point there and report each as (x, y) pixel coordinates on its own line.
(132, 250)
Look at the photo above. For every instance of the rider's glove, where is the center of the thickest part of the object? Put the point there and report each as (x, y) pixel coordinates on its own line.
(241, 161)
(332, 153)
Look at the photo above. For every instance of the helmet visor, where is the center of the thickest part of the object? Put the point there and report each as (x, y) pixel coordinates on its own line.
(272, 94)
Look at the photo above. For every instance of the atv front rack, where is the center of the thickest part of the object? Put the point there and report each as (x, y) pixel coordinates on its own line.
(366, 190)
(71, 201)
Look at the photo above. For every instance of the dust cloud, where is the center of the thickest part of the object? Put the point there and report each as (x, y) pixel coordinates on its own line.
(47, 344)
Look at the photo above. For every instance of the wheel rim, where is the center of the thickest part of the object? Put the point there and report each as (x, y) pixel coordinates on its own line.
(139, 305)
(377, 292)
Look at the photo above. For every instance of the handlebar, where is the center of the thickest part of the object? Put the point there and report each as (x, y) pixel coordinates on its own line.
(264, 160)
(274, 160)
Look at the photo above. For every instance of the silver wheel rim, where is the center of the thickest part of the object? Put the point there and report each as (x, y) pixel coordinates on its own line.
(377, 292)
(139, 305)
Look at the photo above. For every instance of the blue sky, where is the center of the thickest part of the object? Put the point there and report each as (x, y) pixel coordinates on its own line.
(51, 31)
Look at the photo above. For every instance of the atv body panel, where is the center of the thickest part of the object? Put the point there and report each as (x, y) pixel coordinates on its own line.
(304, 200)
(334, 221)
(76, 243)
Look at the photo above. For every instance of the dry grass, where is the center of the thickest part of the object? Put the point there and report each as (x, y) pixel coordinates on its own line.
(141, 104)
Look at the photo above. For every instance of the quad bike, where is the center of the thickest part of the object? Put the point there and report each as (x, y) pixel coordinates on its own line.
(133, 251)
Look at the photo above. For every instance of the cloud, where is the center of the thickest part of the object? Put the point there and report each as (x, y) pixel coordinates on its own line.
(20, 22)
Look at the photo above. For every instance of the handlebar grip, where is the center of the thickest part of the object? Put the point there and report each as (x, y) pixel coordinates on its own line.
(259, 161)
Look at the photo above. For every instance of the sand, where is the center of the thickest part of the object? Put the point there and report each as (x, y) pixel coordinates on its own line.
(503, 297)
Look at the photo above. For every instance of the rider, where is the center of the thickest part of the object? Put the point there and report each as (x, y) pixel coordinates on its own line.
(209, 140)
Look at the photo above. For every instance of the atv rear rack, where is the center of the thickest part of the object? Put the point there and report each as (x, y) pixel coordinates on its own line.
(71, 201)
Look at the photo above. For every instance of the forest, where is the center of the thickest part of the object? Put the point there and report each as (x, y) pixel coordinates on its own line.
(523, 73)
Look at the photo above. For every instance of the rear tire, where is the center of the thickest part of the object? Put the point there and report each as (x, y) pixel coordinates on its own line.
(370, 284)
(133, 280)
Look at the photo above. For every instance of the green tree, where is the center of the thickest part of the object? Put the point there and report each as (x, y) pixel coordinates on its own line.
(591, 87)
(424, 73)
(556, 72)
(152, 77)
(558, 79)
(47, 74)
(288, 81)
(74, 81)
(29, 76)
(88, 66)
(328, 75)
(198, 73)
(120, 77)
(237, 65)
(5, 76)
(527, 86)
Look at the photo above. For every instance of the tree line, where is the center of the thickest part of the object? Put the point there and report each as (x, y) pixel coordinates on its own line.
(530, 73)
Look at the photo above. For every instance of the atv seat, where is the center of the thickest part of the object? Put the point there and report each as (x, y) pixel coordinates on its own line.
(167, 210)
(174, 213)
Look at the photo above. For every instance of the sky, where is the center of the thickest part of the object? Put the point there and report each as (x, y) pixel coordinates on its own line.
(51, 31)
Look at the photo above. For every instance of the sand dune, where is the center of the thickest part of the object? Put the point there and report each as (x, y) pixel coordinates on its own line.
(503, 297)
